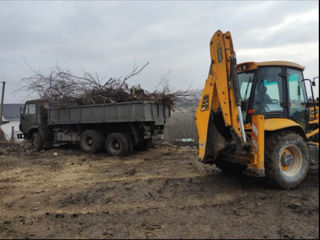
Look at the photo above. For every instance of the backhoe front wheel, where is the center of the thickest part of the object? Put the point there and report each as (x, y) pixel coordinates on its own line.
(287, 159)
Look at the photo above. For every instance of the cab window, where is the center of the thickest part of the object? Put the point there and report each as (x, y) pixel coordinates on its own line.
(297, 96)
(245, 83)
(30, 109)
(268, 93)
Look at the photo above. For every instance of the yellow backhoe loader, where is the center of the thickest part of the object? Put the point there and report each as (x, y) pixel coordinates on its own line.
(255, 117)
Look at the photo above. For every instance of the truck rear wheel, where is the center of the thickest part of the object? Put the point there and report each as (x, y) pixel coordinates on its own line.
(91, 141)
(287, 159)
(118, 144)
(37, 143)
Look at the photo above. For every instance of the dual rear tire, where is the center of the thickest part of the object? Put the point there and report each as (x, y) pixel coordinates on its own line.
(91, 141)
(116, 144)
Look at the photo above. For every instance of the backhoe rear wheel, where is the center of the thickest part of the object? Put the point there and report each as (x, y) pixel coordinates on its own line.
(287, 159)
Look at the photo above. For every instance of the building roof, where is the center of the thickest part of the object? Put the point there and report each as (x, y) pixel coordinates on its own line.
(4, 120)
(11, 111)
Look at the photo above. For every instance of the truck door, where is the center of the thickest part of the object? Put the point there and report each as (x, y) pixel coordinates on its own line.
(28, 117)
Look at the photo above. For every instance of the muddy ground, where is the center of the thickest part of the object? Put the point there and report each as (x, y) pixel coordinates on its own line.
(161, 193)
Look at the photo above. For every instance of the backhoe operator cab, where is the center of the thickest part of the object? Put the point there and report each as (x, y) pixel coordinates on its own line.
(273, 89)
(255, 117)
(275, 92)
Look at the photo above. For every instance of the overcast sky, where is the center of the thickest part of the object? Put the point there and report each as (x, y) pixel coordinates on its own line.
(109, 37)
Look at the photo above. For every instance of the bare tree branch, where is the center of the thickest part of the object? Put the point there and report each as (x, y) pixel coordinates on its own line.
(61, 87)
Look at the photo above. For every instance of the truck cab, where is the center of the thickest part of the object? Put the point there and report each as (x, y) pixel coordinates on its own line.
(30, 117)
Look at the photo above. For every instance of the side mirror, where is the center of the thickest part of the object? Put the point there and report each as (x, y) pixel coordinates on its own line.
(314, 81)
(21, 110)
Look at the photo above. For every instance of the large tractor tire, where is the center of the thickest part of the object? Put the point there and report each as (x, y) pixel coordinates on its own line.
(118, 144)
(91, 141)
(37, 143)
(229, 167)
(287, 159)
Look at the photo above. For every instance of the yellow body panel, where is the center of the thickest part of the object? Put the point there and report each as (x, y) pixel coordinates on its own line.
(314, 115)
(314, 132)
(257, 143)
(273, 124)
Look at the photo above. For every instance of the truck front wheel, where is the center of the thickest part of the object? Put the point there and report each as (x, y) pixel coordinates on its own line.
(287, 159)
(118, 144)
(91, 141)
(37, 143)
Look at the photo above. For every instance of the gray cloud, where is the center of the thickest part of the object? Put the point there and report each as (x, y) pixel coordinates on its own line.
(108, 37)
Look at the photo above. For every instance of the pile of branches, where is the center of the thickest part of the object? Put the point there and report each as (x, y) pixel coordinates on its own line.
(62, 87)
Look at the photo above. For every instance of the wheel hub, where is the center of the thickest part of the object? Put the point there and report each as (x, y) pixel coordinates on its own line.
(116, 145)
(89, 141)
(290, 160)
(287, 160)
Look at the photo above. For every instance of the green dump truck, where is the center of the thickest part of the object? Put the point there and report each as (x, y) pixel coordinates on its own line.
(116, 127)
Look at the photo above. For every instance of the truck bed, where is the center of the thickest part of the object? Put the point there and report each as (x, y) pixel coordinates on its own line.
(136, 111)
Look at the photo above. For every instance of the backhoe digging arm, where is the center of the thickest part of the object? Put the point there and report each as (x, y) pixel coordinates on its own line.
(219, 117)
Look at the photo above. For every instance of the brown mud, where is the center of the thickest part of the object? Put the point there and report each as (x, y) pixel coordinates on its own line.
(160, 193)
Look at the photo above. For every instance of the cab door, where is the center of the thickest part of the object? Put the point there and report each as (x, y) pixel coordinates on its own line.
(28, 117)
(297, 96)
(269, 93)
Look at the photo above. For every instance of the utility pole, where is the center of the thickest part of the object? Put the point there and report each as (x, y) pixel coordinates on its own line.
(1, 105)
